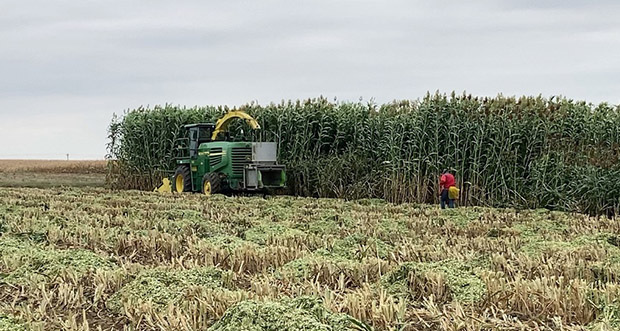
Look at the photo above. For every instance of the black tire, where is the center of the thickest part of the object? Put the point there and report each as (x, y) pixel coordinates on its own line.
(186, 176)
(214, 181)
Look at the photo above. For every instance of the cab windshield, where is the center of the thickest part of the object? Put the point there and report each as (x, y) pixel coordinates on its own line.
(204, 135)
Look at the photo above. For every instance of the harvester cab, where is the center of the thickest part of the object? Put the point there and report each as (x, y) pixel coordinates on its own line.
(198, 134)
(208, 162)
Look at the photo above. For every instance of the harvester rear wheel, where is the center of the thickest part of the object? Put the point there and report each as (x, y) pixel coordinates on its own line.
(182, 180)
(211, 184)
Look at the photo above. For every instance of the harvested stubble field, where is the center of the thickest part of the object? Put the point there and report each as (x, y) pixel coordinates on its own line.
(89, 259)
(51, 173)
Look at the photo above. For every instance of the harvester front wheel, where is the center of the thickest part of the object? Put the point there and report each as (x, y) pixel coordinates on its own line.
(211, 184)
(182, 180)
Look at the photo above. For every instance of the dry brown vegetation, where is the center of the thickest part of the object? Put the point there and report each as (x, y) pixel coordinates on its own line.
(88, 259)
(52, 173)
(54, 166)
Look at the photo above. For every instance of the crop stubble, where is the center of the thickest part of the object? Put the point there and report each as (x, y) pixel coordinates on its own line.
(91, 258)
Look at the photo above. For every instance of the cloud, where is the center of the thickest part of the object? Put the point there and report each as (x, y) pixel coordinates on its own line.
(83, 60)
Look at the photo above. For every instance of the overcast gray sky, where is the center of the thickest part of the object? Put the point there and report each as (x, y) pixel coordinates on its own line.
(66, 66)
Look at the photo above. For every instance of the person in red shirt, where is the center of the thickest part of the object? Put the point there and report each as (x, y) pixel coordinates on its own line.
(445, 182)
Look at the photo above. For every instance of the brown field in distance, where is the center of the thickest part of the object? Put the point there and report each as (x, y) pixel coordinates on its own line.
(54, 166)
(51, 173)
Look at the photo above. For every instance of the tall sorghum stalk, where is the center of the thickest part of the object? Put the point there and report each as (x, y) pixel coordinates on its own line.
(526, 152)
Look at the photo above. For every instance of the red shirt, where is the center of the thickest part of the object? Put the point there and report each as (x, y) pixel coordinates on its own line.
(446, 181)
